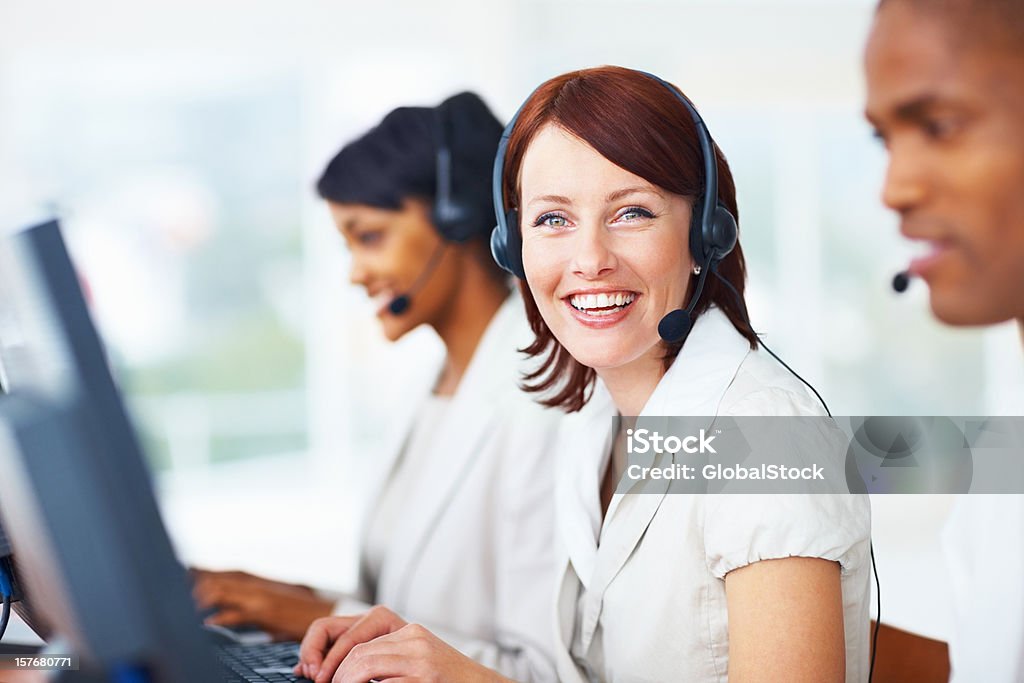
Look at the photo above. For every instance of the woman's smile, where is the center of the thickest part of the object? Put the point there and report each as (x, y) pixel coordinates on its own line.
(600, 308)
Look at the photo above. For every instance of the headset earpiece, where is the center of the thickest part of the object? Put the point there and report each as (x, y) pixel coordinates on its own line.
(452, 220)
(456, 219)
(724, 233)
(714, 239)
(506, 245)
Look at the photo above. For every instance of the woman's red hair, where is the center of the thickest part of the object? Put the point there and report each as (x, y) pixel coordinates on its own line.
(637, 124)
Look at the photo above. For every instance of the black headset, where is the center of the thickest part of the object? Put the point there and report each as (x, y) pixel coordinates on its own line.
(713, 230)
(456, 219)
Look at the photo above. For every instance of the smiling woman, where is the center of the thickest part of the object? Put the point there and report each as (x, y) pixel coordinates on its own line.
(648, 200)
(621, 222)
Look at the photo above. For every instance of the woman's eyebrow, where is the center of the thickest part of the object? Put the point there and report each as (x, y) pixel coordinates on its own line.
(626, 191)
(556, 198)
(617, 194)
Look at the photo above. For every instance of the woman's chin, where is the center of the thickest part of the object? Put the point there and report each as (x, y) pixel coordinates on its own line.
(603, 352)
(393, 328)
(600, 357)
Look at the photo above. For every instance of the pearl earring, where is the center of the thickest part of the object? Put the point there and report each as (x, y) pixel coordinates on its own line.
(696, 270)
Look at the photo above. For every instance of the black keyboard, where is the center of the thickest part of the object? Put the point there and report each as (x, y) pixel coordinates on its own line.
(267, 663)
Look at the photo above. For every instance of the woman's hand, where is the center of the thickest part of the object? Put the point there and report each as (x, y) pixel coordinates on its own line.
(281, 609)
(381, 645)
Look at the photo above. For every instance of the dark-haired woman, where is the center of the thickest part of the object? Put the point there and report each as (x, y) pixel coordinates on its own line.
(460, 536)
(605, 170)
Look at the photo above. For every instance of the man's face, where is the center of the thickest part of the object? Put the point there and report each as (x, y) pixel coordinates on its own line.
(952, 119)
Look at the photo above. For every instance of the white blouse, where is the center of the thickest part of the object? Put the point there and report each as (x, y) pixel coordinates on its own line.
(406, 474)
(642, 595)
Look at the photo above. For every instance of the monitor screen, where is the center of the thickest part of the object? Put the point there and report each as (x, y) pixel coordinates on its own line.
(11, 347)
(76, 496)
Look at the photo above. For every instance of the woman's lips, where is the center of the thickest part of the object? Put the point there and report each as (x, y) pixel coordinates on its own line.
(600, 318)
(381, 301)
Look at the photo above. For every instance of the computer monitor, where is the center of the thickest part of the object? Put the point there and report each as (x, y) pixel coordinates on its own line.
(10, 337)
(75, 493)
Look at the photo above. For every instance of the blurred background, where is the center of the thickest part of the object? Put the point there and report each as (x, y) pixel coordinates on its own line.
(179, 141)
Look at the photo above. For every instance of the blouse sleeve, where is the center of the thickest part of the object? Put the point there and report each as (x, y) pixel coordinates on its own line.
(743, 528)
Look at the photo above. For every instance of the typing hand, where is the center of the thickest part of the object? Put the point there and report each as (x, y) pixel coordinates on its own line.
(283, 610)
(325, 645)
(381, 645)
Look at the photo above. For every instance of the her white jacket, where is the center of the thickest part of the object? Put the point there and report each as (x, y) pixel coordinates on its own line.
(473, 558)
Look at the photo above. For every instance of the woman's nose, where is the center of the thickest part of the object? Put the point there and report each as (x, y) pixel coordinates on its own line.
(358, 274)
(592, 255)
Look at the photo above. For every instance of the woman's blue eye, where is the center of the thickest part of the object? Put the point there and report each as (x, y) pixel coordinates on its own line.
(635, 212)
(552, 220)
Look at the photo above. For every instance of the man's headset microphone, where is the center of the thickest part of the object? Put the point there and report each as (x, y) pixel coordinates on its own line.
(456, 219)
(713, 235)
